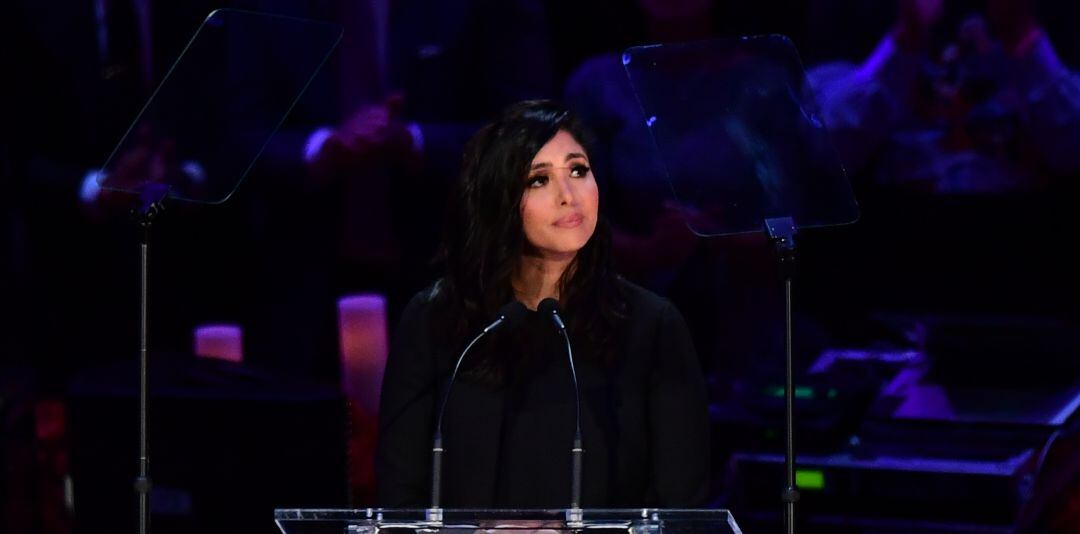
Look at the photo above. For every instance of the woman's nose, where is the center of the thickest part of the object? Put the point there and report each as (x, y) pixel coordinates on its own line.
(566, 190)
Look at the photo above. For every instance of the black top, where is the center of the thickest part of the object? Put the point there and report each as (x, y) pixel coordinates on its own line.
(644, 419)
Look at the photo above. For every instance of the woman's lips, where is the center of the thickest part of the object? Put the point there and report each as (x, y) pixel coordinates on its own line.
(570, 221)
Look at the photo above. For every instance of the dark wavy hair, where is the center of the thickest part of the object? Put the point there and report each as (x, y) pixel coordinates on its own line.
(484, 239)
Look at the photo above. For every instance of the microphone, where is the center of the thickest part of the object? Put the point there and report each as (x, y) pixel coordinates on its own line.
(550, 307)
(511, 312)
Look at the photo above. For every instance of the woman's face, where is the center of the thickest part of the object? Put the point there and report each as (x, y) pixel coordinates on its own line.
(559, 206)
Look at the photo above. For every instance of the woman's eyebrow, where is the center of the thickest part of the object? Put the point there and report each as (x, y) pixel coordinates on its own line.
(570, 156)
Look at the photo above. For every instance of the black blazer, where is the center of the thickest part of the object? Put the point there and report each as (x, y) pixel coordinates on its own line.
(644, 419)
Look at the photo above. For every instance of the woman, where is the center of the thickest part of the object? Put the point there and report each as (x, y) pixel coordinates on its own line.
(524, 225)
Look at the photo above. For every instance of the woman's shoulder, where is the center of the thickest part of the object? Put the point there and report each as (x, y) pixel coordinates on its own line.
(423, 302)
(641, 303)
(653, 326)
(429, 295)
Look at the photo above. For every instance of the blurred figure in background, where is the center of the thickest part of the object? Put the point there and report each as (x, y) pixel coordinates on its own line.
(994, 111)
(958, 133)
(441, 69)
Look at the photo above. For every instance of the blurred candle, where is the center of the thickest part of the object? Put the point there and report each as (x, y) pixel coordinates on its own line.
(221, 341)
(363, 337)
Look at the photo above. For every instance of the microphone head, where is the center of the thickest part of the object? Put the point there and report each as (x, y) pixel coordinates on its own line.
(512, 313)
(548, 306)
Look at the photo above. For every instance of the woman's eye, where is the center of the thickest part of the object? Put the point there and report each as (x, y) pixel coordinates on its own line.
(537, 181)
(578, 171)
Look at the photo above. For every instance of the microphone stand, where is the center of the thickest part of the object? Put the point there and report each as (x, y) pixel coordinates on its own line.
(574, 515)
(434, 514)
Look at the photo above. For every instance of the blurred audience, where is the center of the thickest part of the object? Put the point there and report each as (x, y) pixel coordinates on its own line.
(994, 111)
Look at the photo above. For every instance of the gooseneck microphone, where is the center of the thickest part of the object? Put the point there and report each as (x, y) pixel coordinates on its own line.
(511, 312)
(550, 307)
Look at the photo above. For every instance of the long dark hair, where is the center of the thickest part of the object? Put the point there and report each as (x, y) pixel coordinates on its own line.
(483, 238)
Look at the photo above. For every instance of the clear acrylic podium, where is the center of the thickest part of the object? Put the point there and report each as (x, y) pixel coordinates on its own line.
(634, 521)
